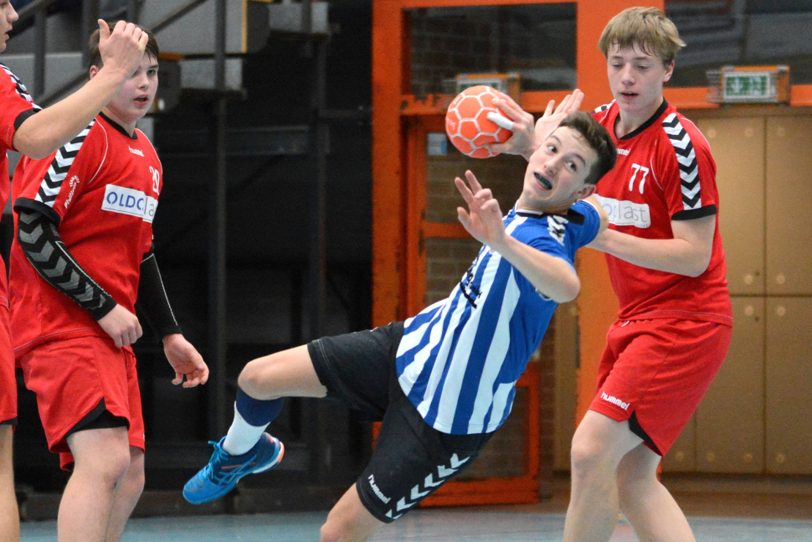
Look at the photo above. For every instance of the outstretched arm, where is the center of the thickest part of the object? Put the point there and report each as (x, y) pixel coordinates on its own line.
(121, 50)
(687, 253)
(526, 136)
(550, 275)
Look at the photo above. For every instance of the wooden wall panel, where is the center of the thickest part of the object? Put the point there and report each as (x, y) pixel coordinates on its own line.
(738, 147)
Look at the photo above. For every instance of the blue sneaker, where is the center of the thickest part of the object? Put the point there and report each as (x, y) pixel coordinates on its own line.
(224, 470)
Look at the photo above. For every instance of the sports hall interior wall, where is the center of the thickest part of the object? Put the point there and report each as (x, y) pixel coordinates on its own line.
(765, 376)
(268, 239)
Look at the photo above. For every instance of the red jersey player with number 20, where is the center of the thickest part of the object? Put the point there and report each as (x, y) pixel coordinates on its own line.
(81, 260)
(36, 132)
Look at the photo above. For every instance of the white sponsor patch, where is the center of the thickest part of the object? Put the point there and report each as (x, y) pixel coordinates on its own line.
(626, 213)
(128, 201)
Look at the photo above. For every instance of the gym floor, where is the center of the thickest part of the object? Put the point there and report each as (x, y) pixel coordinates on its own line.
(733, 511)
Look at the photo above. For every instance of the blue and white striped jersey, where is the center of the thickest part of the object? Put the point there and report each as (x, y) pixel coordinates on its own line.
(459, 358)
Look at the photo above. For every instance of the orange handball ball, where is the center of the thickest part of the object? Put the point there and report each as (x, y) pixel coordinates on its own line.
(467, 124)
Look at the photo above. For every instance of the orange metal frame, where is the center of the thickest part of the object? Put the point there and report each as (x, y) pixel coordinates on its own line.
(400, 122)
(514, 490)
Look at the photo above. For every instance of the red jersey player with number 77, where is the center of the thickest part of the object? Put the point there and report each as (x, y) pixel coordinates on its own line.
(667, 267)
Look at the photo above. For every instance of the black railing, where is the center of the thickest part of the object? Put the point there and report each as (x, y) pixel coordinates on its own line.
(38, 11)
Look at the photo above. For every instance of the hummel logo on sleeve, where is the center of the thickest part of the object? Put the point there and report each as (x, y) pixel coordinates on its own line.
(614, 400)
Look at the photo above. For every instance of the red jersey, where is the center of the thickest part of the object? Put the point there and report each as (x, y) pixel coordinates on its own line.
(16, 105)
(664, 172)
(101, 190)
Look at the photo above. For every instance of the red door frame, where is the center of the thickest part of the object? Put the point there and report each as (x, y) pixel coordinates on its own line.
(399, 123)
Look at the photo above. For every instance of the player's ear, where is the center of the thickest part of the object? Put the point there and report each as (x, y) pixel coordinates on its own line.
(586, 191)
(669, 71)
(93, 71)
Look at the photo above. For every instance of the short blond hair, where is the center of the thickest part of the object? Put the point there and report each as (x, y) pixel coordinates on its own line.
(647, 28)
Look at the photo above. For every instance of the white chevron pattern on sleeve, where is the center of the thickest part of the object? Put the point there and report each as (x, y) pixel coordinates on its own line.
(686, 159)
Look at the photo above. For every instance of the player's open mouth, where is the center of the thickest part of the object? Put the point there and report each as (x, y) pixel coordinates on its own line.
(543, 181)
(142, 100)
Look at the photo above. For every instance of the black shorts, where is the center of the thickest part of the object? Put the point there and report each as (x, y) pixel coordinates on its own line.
(410, 459)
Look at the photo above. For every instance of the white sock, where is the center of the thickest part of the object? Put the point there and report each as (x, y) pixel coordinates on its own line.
(242, 436)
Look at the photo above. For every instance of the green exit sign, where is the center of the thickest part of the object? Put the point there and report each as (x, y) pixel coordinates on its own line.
(740, 86)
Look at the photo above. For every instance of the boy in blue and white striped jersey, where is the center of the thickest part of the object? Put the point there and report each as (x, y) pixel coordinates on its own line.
(444, 380)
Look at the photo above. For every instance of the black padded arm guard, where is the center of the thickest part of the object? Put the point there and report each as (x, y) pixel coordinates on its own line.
(152, 299)
(44, 248)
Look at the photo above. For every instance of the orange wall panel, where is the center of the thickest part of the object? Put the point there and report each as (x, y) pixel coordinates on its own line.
(387, 160)
(597, 305)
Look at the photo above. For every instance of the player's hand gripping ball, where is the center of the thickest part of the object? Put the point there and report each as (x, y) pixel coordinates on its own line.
(467, 124)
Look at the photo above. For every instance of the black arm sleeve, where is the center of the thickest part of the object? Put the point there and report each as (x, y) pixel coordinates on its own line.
(152, 299)
(44, 248)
